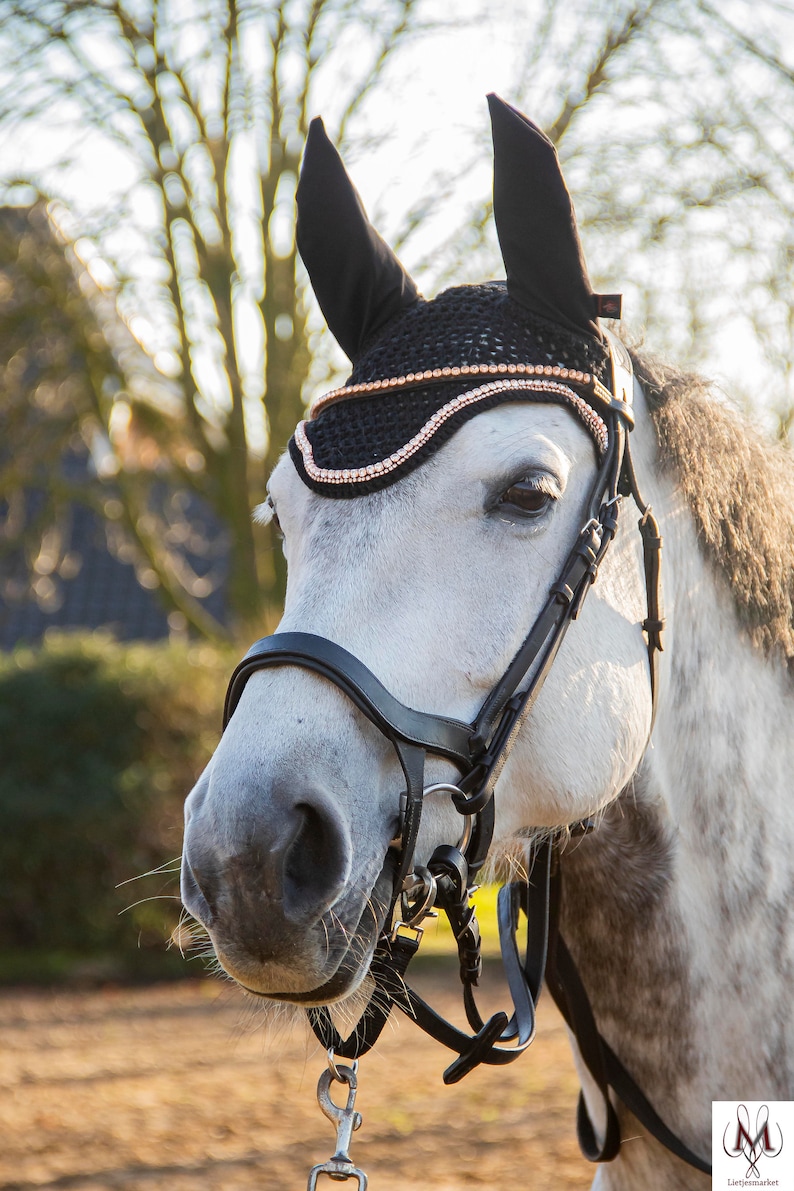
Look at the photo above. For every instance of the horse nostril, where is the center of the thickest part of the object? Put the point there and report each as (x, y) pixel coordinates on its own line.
(276, 873)
(316, 862)
(197, 897)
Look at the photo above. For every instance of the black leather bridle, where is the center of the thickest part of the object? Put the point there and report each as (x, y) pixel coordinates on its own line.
(479, 750)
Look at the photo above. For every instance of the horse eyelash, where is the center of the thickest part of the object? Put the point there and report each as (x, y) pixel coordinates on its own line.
(265, 514)
(540, 484)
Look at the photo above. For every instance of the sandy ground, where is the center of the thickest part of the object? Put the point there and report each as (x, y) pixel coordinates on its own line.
(179, 1087)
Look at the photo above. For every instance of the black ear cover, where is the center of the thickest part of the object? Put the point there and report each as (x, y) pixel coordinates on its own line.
(536, 224)
(359, 282)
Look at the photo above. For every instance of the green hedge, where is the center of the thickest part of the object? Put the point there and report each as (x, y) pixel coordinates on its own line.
(99, 744)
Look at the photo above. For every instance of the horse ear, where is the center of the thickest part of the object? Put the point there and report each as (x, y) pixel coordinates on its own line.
(536, 225)
(358, 280)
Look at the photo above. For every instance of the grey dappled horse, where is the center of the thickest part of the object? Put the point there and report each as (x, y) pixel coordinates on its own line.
(424, 529)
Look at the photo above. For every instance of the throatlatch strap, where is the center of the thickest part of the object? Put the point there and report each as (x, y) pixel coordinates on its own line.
(654, 623)
(570, 996)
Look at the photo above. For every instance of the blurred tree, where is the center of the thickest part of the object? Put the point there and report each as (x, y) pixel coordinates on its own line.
(209, 103)
(49, 341)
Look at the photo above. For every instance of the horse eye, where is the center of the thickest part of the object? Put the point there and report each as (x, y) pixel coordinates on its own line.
(527, 497)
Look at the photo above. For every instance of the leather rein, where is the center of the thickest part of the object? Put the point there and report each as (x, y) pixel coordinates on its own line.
(480, 750)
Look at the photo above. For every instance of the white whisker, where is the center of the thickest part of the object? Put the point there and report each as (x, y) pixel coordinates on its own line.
(168, 866)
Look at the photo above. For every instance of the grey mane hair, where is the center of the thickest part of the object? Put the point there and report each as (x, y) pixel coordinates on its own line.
(740, 491)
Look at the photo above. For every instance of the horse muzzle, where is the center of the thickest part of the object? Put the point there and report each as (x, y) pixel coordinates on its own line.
(280, 908)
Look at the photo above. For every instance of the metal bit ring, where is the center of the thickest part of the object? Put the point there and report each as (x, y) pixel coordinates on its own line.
(425, 887)
(457, 795)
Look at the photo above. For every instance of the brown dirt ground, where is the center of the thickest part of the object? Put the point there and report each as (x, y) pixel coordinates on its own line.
(178, 1087)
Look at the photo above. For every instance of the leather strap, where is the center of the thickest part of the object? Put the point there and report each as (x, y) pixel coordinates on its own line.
(412, 761)
(567, 593)
(568, 993)
(447, 737)
(570, 997)
(654, 623)
(388, 967)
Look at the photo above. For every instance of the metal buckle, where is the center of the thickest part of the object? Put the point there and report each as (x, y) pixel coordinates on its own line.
(395, 930)
(418, 896)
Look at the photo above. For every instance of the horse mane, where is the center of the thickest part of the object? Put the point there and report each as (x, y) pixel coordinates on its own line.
(740, 491)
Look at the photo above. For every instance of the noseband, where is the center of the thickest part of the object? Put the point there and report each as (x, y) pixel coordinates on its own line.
(480, 750)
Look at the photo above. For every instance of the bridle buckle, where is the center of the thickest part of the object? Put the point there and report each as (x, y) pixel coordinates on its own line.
(417, 897)
(394, 934)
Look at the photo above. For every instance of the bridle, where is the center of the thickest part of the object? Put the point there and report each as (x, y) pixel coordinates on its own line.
(480, 750)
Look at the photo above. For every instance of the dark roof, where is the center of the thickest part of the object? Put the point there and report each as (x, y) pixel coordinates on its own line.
(55, 328)
(104, 593)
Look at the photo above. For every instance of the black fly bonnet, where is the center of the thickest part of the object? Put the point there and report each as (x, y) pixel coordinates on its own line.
(421, 369)
(435, 366)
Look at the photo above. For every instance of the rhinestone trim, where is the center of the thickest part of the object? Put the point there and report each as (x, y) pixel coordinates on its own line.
(357, 475)
(431, 375)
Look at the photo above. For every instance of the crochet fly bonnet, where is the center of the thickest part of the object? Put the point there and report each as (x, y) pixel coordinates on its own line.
(423, 368)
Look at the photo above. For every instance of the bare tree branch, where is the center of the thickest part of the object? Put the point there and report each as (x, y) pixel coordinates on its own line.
(599, 72)
(752, 47)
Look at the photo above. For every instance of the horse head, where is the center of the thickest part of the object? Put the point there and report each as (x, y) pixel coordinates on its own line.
(428, 508)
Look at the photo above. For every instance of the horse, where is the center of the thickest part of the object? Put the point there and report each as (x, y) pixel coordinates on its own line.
(430, 511)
